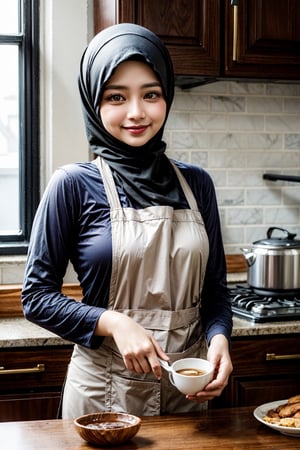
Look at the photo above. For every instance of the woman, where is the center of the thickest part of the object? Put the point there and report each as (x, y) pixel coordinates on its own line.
(143, 235)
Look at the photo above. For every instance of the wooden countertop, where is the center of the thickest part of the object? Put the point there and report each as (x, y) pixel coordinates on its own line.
(233, 428)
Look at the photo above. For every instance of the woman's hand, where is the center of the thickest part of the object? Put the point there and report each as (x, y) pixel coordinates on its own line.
(218, 354)
(137, 346)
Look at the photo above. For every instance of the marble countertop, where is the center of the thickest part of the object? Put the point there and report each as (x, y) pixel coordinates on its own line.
(19, 332)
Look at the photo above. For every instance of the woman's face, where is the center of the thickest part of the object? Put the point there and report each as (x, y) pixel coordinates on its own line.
(133, 108)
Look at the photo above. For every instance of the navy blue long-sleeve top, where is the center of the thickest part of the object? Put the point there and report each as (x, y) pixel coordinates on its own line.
(72, 223)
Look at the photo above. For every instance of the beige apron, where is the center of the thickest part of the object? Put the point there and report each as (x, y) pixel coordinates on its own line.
(159, 257)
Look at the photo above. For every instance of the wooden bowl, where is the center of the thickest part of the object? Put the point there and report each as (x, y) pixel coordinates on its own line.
(107, 428)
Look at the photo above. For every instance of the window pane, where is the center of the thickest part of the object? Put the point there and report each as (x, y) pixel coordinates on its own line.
(9, 140)
(9, 16)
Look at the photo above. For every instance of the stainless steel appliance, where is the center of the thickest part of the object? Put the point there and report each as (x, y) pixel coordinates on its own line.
(274, 264)
(254, 307)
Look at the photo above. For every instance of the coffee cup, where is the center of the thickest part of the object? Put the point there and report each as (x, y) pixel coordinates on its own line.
(191, 375)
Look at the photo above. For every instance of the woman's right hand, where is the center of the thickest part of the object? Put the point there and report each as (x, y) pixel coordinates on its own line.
(137, 346)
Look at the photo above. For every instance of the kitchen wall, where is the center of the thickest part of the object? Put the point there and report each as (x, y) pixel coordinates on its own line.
(236, 130)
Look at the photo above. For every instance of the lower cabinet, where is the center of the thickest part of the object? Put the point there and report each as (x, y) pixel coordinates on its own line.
(265, 369)
(31, 381)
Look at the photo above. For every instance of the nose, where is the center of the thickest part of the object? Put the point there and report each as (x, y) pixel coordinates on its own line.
(135, 109)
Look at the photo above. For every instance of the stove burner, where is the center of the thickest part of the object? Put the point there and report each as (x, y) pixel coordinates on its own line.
(263, 308)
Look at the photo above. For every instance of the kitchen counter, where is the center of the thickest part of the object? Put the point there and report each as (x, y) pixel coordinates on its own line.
(19, 332)
(233, 428)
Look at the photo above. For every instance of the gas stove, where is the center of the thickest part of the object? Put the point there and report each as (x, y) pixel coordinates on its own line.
(255, 307)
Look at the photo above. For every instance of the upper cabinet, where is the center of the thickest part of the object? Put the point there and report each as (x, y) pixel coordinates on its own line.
(262, 39)
(189, 28)
(217, 38)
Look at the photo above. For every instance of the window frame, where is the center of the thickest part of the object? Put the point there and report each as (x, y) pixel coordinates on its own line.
(29, 156)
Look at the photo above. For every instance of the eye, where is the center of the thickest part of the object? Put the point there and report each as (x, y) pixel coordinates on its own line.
(115, 98)
(153, 95)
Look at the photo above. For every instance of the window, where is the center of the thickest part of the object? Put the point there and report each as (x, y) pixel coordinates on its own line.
(19, 122)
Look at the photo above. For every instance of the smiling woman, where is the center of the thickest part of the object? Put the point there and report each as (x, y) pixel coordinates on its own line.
(135, 110)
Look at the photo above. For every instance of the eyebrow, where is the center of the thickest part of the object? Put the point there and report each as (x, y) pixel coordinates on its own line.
(121, 87)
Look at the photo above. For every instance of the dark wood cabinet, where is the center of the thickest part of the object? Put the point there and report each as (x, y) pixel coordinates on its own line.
(31, 381)
(212, 39)
(190, 28)
(267, 39)
(266, 368)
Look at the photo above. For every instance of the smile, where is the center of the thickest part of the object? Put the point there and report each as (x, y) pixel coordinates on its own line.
(136, 130)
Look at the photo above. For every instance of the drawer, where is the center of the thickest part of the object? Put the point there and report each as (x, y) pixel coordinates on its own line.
(265, 355)
(34, 368)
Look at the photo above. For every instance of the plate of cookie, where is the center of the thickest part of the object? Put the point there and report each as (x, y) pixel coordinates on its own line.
(282, 415)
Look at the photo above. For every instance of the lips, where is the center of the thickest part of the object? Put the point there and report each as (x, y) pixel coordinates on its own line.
(137, 130)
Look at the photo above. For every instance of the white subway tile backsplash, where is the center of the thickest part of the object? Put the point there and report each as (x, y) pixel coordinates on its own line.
(291, 105)
(246, 122)
(199, 158)
(264, 104)
(209, 122)
(263, 196)
(238, 131)
(283, 123)
(273, 160)
(227, 104)
(278, 216)
(239, 87)
(190, 102)
(178, 121)
(245, 178)
(211, 88)
(292, 141)
(244, 216)
(291, 195)
(234, 236)
(220, 159)
(282, 89)
(230, 197)
(189, 140)
(245, 140)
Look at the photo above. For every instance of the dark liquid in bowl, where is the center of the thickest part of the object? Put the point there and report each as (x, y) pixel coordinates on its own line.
(191, 372)
(106, 425)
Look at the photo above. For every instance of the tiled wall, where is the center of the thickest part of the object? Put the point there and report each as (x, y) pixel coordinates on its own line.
(237, 132)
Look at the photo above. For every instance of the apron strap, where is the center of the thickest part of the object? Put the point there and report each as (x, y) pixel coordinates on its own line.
(111, 190)
(186, 189)
(109, 184)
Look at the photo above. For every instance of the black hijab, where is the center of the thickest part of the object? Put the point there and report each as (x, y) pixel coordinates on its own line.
(144, 172)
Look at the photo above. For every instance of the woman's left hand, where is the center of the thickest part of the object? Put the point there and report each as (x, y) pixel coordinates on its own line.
(218, 354)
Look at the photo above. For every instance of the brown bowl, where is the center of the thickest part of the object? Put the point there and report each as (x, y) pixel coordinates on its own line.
(107, 429)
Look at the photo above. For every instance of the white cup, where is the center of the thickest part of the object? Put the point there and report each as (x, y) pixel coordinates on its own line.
(191, 384)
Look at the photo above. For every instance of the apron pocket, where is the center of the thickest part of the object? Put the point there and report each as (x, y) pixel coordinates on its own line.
(132, 396)
(197, 350)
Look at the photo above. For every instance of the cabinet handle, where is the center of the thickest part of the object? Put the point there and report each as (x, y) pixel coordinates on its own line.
(273, 356)
(235, 5)
(38, 368)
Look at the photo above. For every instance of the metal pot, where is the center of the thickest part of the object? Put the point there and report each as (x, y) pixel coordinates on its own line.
(274, 264)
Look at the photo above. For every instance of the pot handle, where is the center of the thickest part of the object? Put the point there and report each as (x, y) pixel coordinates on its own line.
(250, 257)
(289, 236)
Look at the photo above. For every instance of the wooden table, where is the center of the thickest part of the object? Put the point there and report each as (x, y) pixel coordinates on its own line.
(226, 429)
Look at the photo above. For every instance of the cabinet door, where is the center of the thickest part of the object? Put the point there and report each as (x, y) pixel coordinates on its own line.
(265, 369)
(31, 381)
(33, 406)
(189, 28)
(265, 35)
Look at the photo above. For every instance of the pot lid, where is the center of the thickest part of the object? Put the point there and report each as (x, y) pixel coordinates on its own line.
(286, 241)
